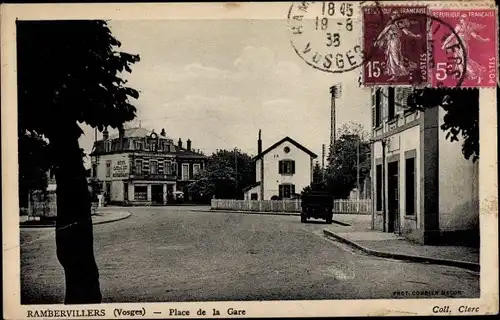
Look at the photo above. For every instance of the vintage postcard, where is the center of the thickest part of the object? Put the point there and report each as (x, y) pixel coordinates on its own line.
(233, 160)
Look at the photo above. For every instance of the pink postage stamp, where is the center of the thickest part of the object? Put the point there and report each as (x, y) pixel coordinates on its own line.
(395, 39)
(464, 48)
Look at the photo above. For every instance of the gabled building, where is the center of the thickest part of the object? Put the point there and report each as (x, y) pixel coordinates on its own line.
(423, 188)
(141, 167)
(282, 170)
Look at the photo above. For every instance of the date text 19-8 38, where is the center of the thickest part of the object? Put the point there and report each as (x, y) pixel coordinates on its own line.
(324, 35)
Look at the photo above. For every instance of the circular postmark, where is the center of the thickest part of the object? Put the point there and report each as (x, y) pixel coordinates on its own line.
(326, 35)
(455, 56)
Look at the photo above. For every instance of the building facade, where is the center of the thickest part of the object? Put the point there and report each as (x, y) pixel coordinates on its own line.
(282, 170)
(422, 186)
(141, 167)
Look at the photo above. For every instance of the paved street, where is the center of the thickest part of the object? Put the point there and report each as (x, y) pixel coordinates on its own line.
(178, 254)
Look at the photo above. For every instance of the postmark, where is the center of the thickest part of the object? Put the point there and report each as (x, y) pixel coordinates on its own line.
(325, 35)
(468, 50)
(398, 46)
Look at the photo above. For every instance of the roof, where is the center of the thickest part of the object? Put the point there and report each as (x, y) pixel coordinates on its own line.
(288, 139)
(137, 132)
(184, 153)
(253, 185)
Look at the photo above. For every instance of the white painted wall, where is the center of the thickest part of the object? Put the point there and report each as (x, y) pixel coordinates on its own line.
(117, 166)
(399, 143)
(458, 185)
(272, 178)
(116, 191)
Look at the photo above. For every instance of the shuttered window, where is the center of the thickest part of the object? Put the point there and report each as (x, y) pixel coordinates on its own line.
(391, 103)
(378, 109)
(286, 167)
(286, 190)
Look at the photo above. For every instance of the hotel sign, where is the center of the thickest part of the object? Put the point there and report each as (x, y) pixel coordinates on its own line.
(120, 169)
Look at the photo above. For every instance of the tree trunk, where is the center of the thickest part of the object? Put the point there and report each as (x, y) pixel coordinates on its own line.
(74, 237)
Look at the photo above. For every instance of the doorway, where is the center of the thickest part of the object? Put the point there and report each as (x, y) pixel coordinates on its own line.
(125, 191)
(393, 196)
(157, 194)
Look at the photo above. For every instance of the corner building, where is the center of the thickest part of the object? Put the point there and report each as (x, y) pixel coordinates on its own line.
(141, 167)
(422, 186)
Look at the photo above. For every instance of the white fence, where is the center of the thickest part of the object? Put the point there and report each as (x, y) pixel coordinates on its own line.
(291, 206)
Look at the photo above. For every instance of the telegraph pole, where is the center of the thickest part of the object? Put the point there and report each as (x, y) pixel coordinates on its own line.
(236, 170)
(357, 166)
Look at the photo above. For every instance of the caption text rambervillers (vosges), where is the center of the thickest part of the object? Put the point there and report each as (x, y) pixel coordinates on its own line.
(59, 313)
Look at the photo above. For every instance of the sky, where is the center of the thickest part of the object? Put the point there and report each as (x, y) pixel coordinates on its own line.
(217, 82)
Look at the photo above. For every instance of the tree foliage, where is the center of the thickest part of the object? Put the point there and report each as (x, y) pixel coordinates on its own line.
(341, 172)
(69, 73)
(461, 118)
(227, 173)
(33, 165)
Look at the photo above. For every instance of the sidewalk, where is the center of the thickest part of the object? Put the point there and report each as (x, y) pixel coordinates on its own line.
(99, 218)
(389, 245)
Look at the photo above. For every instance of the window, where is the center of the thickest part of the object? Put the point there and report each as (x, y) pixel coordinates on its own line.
(377, 109)
(286, 190)
(286, 149)
(138, 145)
(286, 167)
(168, 167)
(196, 169)
(410, 186)
(108, 168)
(185, 171)
(153, 146)
(141, 193)
(107, 146)
(378, 181)
(138, 167)
(153, 167)
(391, 104)
(94, 170)
(254, 196)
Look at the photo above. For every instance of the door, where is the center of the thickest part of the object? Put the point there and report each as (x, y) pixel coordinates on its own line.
(157, 194)
(393, 196)
(125, 192)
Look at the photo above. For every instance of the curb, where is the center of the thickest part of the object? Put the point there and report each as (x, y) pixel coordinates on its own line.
(114, 220)
(254, 212)
(93, 223)
(454, 263)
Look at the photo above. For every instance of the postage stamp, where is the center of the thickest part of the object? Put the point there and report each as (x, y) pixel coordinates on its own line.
(466, 49)
(398, 46)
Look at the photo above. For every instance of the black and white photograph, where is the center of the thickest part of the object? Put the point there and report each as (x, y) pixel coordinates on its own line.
(188, 160)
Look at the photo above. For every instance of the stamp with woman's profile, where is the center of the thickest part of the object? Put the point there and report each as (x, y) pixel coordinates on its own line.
(399, 46)
(467, 48)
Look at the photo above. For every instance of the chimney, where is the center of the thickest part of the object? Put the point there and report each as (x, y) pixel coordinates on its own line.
(188, 145)
(105, 134)
(179, 143)
(163, 133)
(259, 144)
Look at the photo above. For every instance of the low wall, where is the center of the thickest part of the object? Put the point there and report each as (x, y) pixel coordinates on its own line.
(339, 206)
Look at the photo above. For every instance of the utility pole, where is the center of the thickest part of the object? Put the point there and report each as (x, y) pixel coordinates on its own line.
(236, 170)
(357, 173)
(357, 166)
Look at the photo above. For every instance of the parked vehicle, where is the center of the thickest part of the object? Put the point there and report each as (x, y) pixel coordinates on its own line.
(317, 205)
